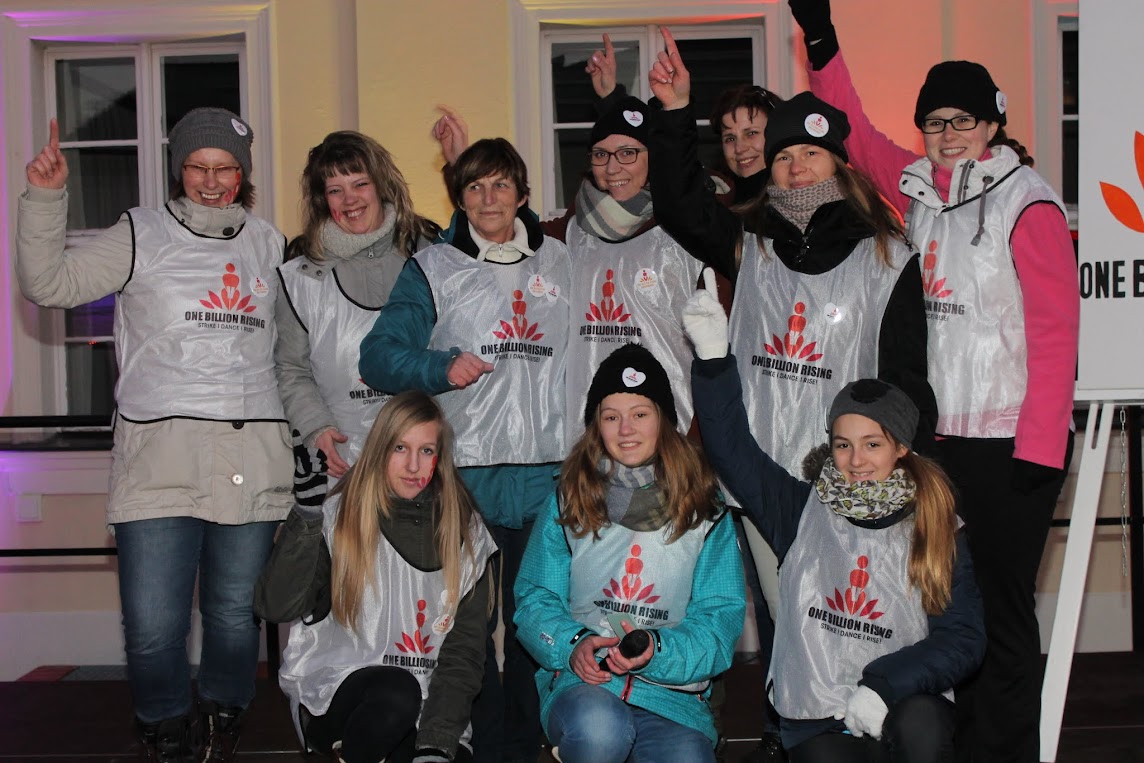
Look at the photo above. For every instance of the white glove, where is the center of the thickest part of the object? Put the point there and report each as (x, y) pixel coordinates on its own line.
(865, 713)
(704, 321)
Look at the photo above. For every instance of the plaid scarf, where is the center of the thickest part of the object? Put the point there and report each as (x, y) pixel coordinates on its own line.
(610, 220)
(634, 499)
(869, 499)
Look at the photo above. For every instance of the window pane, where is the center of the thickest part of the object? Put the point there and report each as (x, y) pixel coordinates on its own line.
(571, 164)
(95, 99)
(572, 87)
(1069, 70)
(1070, 150)
(715, 65)
(193, 81)
(92, 319)
(91, 373)
(102, 183)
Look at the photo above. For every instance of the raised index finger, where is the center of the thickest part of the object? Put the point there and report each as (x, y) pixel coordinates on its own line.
(608, 50)
(669, 42)
(709, 280)
(54, 134)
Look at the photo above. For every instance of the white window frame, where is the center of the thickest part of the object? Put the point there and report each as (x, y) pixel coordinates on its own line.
(27, 28)
(1050, 17)
(650, 41)
(529, 66)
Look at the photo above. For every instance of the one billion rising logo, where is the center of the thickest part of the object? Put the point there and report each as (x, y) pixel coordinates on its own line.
(630, 586)
(792, 345)
(416, 643)
(519, 327)
(1119, 202)
(228, 297)
(606, 310)
(855, 602)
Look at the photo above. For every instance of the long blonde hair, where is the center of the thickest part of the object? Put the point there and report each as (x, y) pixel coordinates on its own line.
(681, 471)
(365, 497)
(346, 153)
(934, 545)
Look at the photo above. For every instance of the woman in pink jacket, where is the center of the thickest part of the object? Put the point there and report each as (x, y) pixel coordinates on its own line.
(999, 274)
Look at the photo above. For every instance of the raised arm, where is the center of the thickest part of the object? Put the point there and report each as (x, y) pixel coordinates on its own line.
(47, 274)
(683, 200)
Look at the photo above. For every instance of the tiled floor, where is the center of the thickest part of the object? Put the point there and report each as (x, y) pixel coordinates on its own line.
(89, 721)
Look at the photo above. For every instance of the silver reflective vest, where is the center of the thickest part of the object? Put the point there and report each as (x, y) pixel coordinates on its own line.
(636, 573)
(631, 291)
(801, 338)
(973, 299)
(515, 317)
(335, 326)
(194, 325)
(404, 619)
(845, 600)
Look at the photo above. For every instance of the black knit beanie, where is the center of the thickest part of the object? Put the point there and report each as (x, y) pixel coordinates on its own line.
(961, 85)
(210, 127)
(631, 369)
(880, 401)
(806, 118)
(627, 117)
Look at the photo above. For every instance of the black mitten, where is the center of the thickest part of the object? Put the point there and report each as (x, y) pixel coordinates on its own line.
(1029, 477)
(818, 31)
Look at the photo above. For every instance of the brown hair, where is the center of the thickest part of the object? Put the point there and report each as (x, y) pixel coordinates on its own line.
(347, 153)
(488, 156)
(681, 471)
(753, 98)
(1001, 139)
(859, 192)
(365, 496)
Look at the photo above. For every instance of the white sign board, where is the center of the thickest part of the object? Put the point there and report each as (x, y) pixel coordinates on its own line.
(1111, 201)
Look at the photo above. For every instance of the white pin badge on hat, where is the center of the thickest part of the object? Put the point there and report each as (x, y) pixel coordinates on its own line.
(816, 125)
(633, 378)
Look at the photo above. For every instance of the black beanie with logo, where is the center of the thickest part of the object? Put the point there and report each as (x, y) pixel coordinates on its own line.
(961, 85)
(806, 118)
(628, 116)
(634, 370)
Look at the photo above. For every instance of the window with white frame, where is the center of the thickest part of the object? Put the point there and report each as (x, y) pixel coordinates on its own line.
(1070, 109)
(115, 106)
(717, 55)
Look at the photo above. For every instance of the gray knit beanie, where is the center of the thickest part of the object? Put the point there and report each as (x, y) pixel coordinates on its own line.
(210, 127)
(882, 402)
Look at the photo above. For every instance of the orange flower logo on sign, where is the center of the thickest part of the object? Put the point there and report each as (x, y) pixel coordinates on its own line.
(1119, 202)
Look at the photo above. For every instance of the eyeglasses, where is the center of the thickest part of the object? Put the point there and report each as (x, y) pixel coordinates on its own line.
(599, 157)
(198, 172)
(961, 123)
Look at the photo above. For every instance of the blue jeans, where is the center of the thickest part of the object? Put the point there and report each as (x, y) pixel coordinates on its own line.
(591, 725)
(158, 562)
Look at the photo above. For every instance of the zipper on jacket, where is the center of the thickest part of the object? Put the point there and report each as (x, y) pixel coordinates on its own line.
(965, 180)
(627, 692)
(805, 249)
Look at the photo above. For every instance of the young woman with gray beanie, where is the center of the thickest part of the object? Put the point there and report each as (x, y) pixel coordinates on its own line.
(879, 615)
(999, 273)
(201, 468)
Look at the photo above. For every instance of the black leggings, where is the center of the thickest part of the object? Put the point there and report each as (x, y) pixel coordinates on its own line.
(918, 729)
(374, 715)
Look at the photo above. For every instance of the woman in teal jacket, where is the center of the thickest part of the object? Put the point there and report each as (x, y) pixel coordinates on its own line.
(639, 548)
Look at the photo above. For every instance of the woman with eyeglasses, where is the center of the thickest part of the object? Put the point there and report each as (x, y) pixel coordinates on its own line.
(359, 230)
(1003, 307)
(201, 468)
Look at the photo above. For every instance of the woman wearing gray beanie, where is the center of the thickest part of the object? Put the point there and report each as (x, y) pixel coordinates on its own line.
(201, 468)
(1003, 305)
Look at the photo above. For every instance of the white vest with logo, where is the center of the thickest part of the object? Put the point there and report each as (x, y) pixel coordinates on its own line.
(404, 619)
(800, 338)
(335, 326)
(194, 325)
(636, 573)
(845, 600)
(628, 292)
(976, 316)
(516, 317)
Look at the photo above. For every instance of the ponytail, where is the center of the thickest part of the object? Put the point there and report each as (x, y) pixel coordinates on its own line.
(934, 548)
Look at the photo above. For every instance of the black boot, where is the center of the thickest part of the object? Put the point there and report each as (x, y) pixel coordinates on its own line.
(219, 729)
(167, 741)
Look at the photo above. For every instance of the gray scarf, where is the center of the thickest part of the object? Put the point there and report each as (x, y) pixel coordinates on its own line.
(610, 220)
(633, 499)
(340, 245)
(799, 204)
